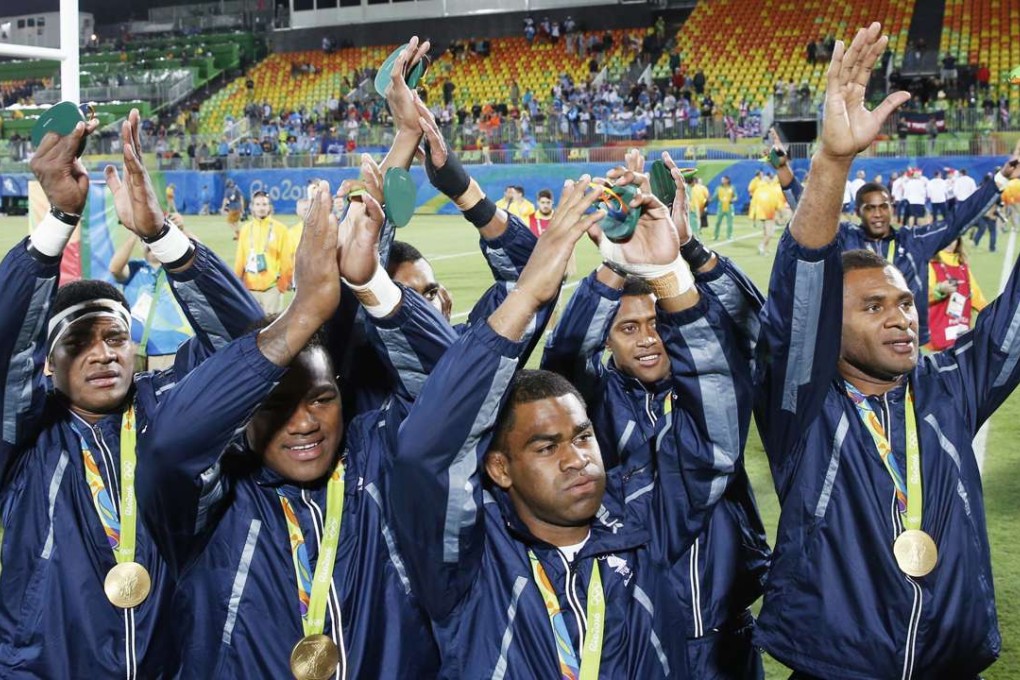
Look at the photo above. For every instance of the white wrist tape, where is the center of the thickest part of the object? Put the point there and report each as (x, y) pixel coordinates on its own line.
(380, 296)
(1001, 181)
(51, 236)
(172, 247)
(667, 280)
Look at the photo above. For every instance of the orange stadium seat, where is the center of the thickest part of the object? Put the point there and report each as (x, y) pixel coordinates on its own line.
(985, 32)
(744, 48)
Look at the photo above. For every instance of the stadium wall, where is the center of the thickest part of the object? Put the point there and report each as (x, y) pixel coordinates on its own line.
(442, 29)
(285, 187)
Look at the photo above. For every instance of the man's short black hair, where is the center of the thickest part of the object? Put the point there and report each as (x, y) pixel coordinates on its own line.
(869, 188)
(85, 290)
(635, 287)
(519, 189)
(863, 259)
(401, 252)
(528, 386)
(545, 193)
(260, 192)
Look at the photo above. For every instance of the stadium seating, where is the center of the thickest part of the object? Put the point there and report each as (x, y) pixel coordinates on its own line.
(536, 67)
(985, 32)
(744, 48)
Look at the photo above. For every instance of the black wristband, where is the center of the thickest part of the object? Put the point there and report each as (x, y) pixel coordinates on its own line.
(615, 268)
(70, 219)
(450, 179)
(163, 231)
(695, 254)
(180, 262)
(481, 213)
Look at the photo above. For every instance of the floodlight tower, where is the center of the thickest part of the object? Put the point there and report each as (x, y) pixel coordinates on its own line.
(66, 54)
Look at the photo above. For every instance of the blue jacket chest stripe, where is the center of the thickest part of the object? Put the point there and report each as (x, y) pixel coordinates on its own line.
(241, 578)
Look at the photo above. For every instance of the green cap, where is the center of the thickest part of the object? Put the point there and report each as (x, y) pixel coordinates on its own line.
(399, 196)
(662, 182)
(60, 118)
(620, 221)
(412, 77)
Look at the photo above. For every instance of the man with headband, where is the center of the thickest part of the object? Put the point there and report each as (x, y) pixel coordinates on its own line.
(82, 588)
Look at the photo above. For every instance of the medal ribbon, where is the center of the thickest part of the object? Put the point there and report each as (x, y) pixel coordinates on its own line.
(909, 494)
(314, 590)
(120, 531)
(591, 652)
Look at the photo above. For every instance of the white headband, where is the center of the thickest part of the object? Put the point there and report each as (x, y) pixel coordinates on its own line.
(90, 309)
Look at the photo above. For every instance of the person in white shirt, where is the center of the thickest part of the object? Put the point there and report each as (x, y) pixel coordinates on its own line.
(937, 196)
(899, 203)
(855, 184)
(915, 192)
(963, 186)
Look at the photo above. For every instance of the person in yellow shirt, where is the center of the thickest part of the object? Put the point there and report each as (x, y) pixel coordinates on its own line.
(697, 200)
(1011, 201)
(726, 195)
(261, 246)
(753, 184)
(765, 202)
(514, 202)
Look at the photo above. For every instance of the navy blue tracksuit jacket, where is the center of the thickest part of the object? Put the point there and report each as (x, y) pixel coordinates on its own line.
(836, 604)
(55, 620)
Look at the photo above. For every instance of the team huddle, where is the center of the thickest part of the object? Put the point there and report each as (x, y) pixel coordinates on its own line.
(357, 488)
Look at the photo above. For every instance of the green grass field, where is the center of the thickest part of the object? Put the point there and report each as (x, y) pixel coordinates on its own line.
(451, 245)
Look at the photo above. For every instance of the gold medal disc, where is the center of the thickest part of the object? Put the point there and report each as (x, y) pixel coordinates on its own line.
(915, 552)
(314, 658)
(127, 585)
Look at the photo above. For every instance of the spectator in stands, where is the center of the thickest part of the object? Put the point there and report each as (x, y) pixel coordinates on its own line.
(261, 248)
(699, 82)
(949, 72)
(983, 76)
(232, 206)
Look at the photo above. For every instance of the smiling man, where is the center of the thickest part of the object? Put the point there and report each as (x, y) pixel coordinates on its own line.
(83, 588)
(628, 397)
(881, 567)
(279, 539)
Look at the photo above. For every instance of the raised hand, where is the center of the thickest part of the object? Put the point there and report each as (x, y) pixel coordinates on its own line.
(399, 96)
(542, 276)
(316, 277)
(60, 173)
(358, 254)
(679, 210)
(848, 127)
(437, 145)
(632, 172)
(135, 198)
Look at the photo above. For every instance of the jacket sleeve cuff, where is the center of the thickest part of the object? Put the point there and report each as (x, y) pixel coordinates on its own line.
(202, 263)
(256, 360)
(482, 333)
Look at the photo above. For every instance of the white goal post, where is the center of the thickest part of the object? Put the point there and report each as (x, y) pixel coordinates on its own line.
(67, 54)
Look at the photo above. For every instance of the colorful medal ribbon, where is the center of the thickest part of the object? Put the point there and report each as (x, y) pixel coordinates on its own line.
(313, 591)
(120, 531)
(909, 494)
(591, 644)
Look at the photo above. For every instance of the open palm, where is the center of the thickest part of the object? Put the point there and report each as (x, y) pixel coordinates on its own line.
(848, 127)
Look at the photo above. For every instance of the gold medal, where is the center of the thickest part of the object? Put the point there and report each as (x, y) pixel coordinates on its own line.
(127, 585)
(315, 657)
(915, 552)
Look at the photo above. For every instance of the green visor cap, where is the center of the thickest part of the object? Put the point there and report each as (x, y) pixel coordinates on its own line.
(399, 196)
(412, 76)
(60, 118)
